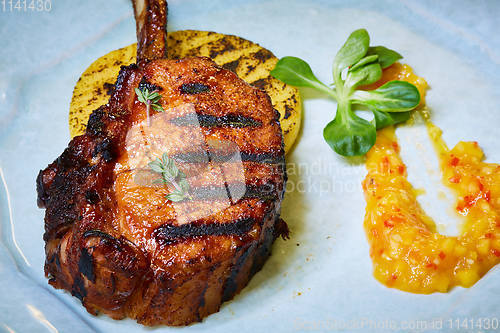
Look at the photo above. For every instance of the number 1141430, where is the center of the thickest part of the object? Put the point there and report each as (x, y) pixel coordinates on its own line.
(26, 5)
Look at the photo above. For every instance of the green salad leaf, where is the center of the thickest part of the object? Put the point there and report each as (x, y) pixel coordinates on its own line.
(394, 96)
(366, 74)
(386, 57)
(355, 48)
(383, 119)
(297, 72)
(355, 64)
(348, 134)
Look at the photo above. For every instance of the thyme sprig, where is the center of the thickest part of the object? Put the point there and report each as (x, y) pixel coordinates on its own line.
(151, 99)
(171, 175)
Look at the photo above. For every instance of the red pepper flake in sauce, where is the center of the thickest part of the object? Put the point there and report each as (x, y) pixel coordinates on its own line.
(481, 186)
(432, 265)
(385, 164)
(388, 224)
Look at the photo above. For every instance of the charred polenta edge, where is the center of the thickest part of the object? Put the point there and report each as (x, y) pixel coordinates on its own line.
(248, 60)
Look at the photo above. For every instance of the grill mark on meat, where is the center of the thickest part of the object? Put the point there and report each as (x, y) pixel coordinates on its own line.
(86, 265)
(144, 84)
(194, 88)
(207, 120)
(169, 234)
(262, 192)
(263, 157)
(200, 157)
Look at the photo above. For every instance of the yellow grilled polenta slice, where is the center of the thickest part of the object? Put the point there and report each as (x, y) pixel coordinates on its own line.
(248, 60)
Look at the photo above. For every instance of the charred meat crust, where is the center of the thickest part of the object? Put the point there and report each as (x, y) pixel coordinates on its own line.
(113, 274)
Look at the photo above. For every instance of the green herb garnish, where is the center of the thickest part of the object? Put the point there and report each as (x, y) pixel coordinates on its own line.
(355, 64)
(171, 175)
(151, 100)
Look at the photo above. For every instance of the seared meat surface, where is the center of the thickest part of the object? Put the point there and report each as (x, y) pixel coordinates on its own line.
(113, 239)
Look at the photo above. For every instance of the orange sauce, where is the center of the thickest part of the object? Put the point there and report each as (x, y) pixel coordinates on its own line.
(406, 250)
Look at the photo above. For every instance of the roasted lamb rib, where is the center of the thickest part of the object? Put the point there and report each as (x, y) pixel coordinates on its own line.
(113, 239)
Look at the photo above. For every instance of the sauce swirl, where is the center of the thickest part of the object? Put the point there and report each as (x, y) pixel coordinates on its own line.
(407, 251)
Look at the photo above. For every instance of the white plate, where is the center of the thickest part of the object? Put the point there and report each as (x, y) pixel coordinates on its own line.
(321, 278)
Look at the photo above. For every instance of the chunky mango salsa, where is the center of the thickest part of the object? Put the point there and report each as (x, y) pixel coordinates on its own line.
(407, 251)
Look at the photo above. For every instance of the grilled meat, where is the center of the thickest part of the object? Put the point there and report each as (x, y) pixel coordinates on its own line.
(113, 239)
